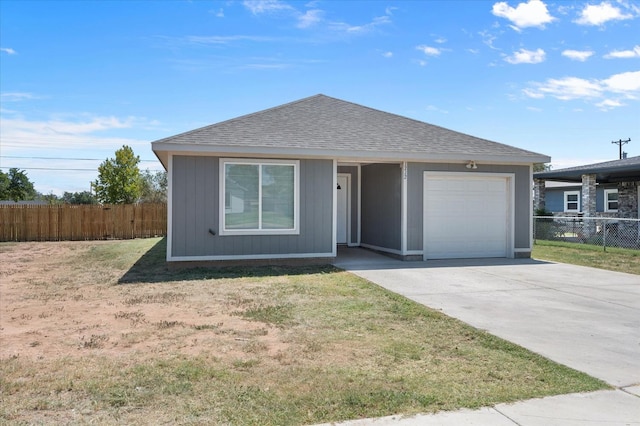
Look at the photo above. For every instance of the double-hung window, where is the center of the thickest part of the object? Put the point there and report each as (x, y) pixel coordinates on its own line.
(572, 201)
(610, 200)
(259, 197)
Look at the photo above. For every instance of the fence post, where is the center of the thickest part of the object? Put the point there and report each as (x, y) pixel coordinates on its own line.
(604, 235)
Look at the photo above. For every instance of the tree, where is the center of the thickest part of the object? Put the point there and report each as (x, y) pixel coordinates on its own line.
(16, 186)
(541, 167)
(84, 197)
(153, 186)
(118, 179)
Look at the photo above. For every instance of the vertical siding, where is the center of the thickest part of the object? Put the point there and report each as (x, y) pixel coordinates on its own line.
(415, 191)
(196, 210)
(353, 171)
(381, 205)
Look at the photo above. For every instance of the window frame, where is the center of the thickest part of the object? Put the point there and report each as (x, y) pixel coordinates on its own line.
(606, 200)
(259, 162)
(566, 202)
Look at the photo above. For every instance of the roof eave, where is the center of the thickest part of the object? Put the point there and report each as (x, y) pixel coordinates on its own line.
(162, 149)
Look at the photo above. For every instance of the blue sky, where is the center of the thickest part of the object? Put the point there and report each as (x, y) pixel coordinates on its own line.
(79, 79)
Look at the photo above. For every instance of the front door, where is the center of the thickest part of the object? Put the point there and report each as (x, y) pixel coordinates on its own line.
(342, 225)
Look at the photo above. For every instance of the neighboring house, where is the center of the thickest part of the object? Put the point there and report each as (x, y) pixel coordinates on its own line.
(297, 180)
(609, 189)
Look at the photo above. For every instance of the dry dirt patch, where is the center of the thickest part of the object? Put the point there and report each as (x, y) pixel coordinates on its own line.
(102, 332)
(57, 303)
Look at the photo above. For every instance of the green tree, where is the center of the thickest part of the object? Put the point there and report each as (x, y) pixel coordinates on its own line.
(153, 186)
(16, 186)
(541, 167)
(118, 178)
(84, 197)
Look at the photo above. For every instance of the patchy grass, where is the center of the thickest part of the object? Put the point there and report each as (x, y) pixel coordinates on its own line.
(613, 259)
(247, 346)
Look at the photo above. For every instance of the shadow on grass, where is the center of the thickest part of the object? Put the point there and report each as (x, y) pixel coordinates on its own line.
(151, 267)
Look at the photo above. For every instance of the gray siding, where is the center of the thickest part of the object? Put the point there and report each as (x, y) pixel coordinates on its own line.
(554, 197)
(195, 203)
(415, 191)
(353, 171)
(381, 205)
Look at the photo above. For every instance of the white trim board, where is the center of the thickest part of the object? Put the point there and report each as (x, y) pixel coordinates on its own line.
(169, 207)
(347, 176)
(250, 257)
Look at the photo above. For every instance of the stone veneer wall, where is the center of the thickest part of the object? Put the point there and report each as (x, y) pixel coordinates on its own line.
(628, 208)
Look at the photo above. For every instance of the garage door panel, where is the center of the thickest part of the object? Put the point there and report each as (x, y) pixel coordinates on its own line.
(466, 216)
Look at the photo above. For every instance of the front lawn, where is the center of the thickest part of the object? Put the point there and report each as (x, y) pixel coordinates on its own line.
(102, 332)
(613, 259)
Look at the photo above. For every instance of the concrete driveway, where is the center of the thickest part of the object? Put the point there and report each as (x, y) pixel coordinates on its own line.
(585, 318)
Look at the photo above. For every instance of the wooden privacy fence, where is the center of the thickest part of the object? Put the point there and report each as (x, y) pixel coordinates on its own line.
(82, 222)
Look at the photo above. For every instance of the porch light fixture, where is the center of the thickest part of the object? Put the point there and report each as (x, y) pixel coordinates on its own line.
(472, 165)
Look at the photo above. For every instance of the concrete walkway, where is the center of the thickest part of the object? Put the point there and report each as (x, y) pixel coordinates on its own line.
(585, 318)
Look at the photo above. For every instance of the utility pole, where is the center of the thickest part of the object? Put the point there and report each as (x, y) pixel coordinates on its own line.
(620, 143)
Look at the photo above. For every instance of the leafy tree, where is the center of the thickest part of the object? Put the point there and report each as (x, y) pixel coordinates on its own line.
(118, 178)
(541, 167)
(4, 185)
(153, 186)
(16, 186)
(50, 198)
(84, 197)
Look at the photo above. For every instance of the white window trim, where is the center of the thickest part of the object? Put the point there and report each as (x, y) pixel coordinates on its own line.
(296, 197)
(606, 199)
(566, 202)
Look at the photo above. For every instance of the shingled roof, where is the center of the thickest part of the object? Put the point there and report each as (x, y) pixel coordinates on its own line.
(627, 169)
(322, 126)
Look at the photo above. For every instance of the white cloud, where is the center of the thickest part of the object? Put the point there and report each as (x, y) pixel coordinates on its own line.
(440, 40)
(599, 14)
(205, 40)
(607, 93)
(310, 18)
(626, 82)
(16, 96)
(361, 29)
(534, 13)
(608, 104)
(58, 133)
(578, 55)
(8, 50)
(524, 56)
(567, 88)
(265, 6)
(633, 53)
(219, 13)
(488, 39)
(429, 51)
(388, 54)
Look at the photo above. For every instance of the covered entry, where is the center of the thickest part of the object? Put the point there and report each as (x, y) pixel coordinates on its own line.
(467, 215)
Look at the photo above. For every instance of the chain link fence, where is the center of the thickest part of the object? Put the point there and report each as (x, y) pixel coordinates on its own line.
(600, 231)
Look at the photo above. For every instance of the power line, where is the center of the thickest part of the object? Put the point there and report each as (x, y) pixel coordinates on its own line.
(64, 158)
(50, 168)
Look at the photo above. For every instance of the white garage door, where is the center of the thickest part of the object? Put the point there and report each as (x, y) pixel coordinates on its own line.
(466, 215)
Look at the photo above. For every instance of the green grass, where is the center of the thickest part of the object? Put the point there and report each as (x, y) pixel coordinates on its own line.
(613, 259)
(253, 346)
